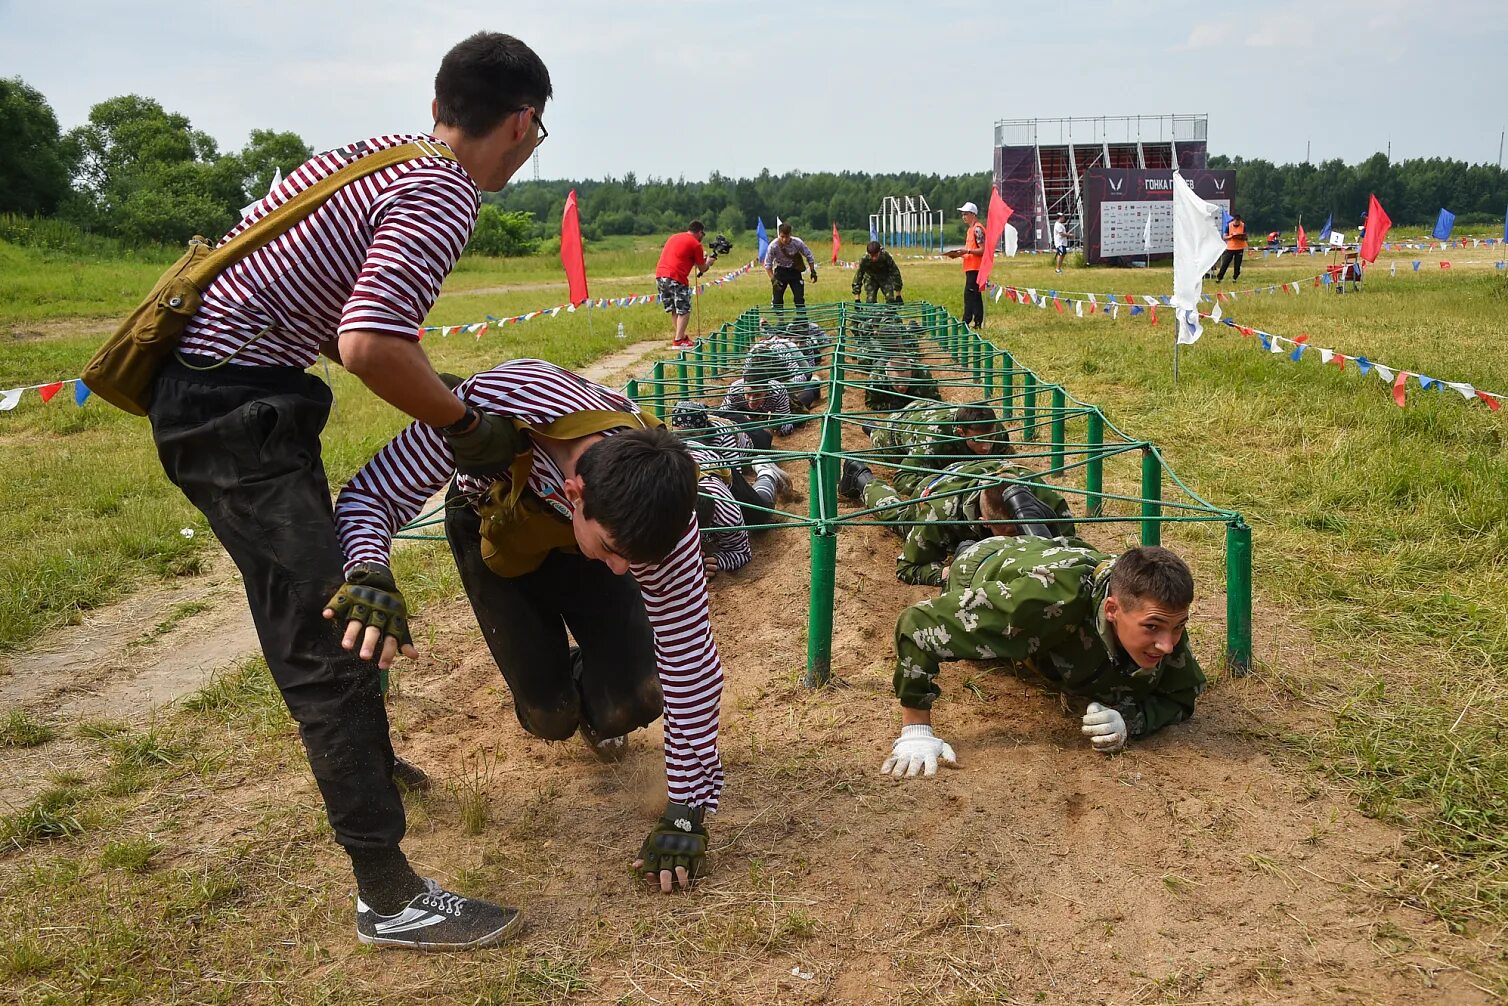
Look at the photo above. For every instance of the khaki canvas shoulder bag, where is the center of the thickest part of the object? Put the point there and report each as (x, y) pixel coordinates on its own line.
(123, 370)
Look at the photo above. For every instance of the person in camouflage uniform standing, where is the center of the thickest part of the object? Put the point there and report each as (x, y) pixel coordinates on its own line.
(1101, 627)
(878, 273)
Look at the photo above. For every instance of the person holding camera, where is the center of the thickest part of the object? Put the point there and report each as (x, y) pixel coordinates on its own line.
(783, 264)
(673, 275)
(877, 273)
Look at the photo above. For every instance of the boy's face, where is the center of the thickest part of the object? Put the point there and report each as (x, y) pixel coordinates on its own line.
(1147, 631)
(975, 439)
(594, 540)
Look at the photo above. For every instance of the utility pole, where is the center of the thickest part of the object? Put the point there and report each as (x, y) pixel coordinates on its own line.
(1306, 151)
(1500, 149)
(536, 165)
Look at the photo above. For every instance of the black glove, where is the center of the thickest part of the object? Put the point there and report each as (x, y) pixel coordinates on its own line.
(370, 596)
(488, 445)
(678, 840)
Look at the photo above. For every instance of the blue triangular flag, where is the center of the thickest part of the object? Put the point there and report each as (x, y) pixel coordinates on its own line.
(80, 392)
(1225, 219)
(1416, 265)
(1324, 234)
(1135, 310)
(1363, 364)
(1298, 351)
(1425, 382)
(1266, 343)
(764, 238)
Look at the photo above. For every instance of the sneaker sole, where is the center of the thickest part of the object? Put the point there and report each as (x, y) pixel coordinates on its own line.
(493, 938)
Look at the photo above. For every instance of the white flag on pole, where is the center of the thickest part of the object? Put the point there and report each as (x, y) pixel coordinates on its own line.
(8, 399)
(1197, 245)
(1012, 241)
(1146, 237)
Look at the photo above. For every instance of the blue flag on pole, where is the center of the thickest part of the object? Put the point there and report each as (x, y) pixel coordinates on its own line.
(1324, 234)
(1444, 224)
(873, 234)
(764, 238)
(1225, 219)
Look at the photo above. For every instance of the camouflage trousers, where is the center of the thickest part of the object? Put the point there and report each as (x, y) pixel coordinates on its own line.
(878, 494)
(874, 287)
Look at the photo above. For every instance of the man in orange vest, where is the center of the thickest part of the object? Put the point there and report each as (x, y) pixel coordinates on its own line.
(1235, 248)
(972, 254)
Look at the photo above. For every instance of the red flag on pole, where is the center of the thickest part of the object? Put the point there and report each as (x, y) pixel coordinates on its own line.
(570, 250)
(836, 243)
(1303, 239)
(994, 227)
(1377, 229)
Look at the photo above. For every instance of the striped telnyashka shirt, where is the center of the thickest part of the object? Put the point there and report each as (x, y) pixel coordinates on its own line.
(371, 258)
(392, 488)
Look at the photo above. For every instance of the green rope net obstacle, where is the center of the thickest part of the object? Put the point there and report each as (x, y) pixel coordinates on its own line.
(847, 352)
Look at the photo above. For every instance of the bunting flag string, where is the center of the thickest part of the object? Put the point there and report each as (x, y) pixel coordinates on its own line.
(11, 397)
(1293, 348)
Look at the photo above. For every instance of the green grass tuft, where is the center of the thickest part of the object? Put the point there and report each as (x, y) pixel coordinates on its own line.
(19, 729)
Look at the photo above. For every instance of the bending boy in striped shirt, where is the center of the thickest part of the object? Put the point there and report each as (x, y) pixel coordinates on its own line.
(600, 491)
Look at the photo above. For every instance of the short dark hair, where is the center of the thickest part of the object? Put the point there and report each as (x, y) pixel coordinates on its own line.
(696, 227)
(487, 77)
(785, 228)
(873, 247)
(975, 415)
(641, 487)
(1151, 572)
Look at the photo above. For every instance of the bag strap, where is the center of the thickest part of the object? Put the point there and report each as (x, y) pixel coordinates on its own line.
(281, 220)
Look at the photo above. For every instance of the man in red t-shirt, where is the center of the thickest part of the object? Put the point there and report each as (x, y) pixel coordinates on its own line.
(673, 275)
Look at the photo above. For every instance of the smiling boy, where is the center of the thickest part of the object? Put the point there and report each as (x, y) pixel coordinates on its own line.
(1106, 628)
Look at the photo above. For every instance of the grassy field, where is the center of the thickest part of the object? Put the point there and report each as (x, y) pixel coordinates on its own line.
(1379, 538)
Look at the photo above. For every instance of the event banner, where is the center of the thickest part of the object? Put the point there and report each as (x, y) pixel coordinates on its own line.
(1120, 202)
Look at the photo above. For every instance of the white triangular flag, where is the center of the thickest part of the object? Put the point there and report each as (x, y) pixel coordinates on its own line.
(1146, 237)
(1275, 344)
(1216, 314)
(1078, 308)
(1092, 300)
(1466, 390)
(1012, 240)
(1032, 293)
(9, 399)
(1386, 373)
(1326, 355)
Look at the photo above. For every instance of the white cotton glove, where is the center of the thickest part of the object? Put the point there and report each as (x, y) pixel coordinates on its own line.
(1105, 728)
(916, 752)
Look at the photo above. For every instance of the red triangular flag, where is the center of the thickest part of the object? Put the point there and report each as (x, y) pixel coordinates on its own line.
(1492, 403)
(48, 390)
(570, 250)
(1057, 305)
(994, 227)
(1153, 312)
(1398, 389)
(837, 243)
(1303, 239)
(1444, 264)
(1377, 229)
(1339, 359)
(1303, 338)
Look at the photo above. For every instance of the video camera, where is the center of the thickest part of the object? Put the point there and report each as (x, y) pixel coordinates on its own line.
(720, 245)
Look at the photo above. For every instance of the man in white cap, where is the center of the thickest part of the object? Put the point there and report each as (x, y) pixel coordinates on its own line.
(972, 254)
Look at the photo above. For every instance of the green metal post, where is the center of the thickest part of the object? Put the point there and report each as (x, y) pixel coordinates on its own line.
(991, 362)
(1059, 407)
(1008, 384)
(1094, 471)
(1238, 597)
(659, 379)
(631, 389)
(1029, 405)
(698, 361)
(1151, 497)
(824, 545)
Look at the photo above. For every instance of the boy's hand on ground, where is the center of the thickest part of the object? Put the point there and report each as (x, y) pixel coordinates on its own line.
(676, 849)
(917, 751)
(1105, 728)
(709, 563)
(375, 614)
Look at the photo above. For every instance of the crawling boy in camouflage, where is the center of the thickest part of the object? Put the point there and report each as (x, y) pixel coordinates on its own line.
(1097, 626)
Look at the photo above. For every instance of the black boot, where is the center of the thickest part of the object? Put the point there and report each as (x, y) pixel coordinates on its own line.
(856, 475)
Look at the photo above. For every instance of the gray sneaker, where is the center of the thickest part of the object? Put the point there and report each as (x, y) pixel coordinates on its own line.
(437, 920)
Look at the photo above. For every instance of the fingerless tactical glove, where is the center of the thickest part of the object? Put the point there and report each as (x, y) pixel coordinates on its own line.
(370, 596)
(678, 839)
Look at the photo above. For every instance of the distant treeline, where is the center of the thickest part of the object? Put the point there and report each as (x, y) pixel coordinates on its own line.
(1274, 197)
(141, 174)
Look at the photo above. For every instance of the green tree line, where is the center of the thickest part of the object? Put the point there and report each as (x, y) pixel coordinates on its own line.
(141, 173)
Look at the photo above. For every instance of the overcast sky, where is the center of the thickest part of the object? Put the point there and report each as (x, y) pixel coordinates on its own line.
(688, 88)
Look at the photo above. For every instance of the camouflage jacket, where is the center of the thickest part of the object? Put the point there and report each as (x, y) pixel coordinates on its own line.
(1041, 602)
(928, 545)
(880, 273)
(884, 395)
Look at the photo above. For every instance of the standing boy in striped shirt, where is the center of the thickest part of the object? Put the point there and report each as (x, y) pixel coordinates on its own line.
(237, 422)
(598, 491)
